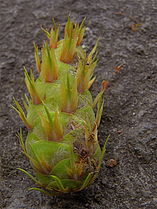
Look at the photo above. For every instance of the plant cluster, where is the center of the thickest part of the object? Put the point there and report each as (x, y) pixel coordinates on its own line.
(62, 143)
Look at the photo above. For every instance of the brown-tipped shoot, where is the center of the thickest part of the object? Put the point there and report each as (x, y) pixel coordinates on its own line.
(73, 35)
(52, 35)
(49, 69)
(85, 71)
(69, 95)
(98, 98)
(37, 59)
(51, 125)
(21, 114)
(30, 83)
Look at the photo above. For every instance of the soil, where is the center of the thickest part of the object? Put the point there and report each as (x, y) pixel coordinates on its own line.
(127, 59)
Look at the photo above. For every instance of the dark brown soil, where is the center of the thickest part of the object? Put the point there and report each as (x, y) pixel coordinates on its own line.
(128, 32)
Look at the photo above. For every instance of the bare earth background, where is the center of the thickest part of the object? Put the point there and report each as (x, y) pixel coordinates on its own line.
(128, 32)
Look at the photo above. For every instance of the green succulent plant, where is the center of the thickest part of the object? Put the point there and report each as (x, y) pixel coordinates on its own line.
(62, 144)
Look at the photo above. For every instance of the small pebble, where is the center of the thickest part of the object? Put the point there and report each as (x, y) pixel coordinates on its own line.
(111, 163)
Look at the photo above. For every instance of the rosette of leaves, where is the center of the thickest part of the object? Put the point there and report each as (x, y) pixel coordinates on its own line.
(62, 144)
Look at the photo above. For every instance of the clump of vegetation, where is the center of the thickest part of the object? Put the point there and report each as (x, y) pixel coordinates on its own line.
(62, 143)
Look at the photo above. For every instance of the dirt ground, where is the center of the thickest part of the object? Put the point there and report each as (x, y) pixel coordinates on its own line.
(127, 59)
